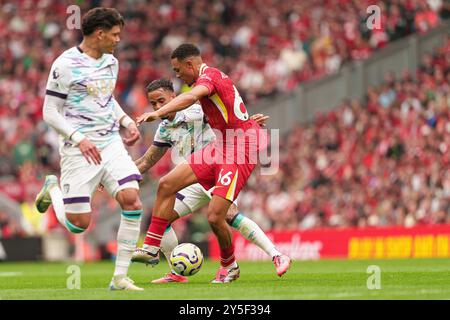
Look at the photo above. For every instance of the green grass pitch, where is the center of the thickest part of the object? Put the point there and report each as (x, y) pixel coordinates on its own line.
(325, 279)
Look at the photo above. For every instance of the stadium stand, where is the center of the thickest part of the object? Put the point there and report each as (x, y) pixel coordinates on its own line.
(267, 49)
(381, 162)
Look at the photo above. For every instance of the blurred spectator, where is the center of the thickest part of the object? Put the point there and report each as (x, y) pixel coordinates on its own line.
(33, 223)
(378, 164)
(8, 227)
(266, 47)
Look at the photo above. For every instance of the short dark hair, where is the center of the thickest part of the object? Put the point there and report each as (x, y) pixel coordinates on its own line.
(103, 18)
(165, 84)
(184, 51)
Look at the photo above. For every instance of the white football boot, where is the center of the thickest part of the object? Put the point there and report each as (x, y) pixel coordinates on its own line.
(122, 282)
(144, 256)
(43, 199)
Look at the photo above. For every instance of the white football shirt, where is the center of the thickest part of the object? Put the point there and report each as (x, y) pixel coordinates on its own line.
(188, 132)
(86, 85)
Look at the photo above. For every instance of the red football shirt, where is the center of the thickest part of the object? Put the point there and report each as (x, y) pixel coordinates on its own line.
(223, 106)
(227, 162)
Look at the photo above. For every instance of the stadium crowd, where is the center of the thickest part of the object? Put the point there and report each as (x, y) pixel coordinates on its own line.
(266, 47)
(383, 162)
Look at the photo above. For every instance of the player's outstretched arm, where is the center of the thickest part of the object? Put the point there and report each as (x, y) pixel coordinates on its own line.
(150, 158)
(180, 102)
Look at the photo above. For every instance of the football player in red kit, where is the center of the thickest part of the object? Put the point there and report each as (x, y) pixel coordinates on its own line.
(225, 164)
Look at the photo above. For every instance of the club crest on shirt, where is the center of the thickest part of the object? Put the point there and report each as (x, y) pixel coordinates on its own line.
(101, 88)
(66, 188)
(55, 74)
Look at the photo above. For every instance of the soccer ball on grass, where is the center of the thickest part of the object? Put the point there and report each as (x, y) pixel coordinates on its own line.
(186, 259)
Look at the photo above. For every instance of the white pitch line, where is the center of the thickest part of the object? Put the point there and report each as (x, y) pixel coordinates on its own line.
(10, 274)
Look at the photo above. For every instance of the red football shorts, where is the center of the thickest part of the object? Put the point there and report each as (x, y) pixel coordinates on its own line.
(227, 166)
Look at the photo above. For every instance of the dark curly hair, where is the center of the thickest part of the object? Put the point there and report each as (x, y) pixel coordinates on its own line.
(103, 18)
(165, 84)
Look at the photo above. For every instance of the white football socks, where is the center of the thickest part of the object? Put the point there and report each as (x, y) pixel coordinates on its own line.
(231, 266)
(60, 211)
(169, 242)
(127, 238)
(253, 233)
(58, 205)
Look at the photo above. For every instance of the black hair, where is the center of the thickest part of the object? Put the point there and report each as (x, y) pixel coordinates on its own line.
(184, 51)
(165, 84)
(103, 18)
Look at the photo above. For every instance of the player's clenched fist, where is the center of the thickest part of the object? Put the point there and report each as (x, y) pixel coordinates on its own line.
(147, 117)
(90, 151)
(133, 135)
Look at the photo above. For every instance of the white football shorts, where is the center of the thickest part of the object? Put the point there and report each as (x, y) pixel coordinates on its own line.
(79, 179)
(192, 198)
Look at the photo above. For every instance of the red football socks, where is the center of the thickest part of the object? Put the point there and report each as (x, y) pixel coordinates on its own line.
(227, 256)
(155, 231)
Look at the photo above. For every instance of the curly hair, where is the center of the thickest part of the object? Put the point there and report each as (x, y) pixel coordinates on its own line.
(165, 84)
(103, 18)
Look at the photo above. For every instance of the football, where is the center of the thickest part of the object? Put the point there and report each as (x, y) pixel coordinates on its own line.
(186, 259)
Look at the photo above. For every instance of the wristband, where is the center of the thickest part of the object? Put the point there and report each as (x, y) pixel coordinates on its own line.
(77, 137)
(126, 121)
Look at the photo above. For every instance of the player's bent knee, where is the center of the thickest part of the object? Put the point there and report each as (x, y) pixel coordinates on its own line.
(231, 214)
(129, 199)
(173, 216)
(166, 186)
(215, 220)
(229, 220)
(78, 223)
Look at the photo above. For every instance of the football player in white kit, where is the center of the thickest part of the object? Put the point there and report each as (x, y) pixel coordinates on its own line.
(79, 104)
(185, 132)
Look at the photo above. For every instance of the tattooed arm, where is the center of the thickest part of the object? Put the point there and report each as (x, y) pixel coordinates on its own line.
(150, 158)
